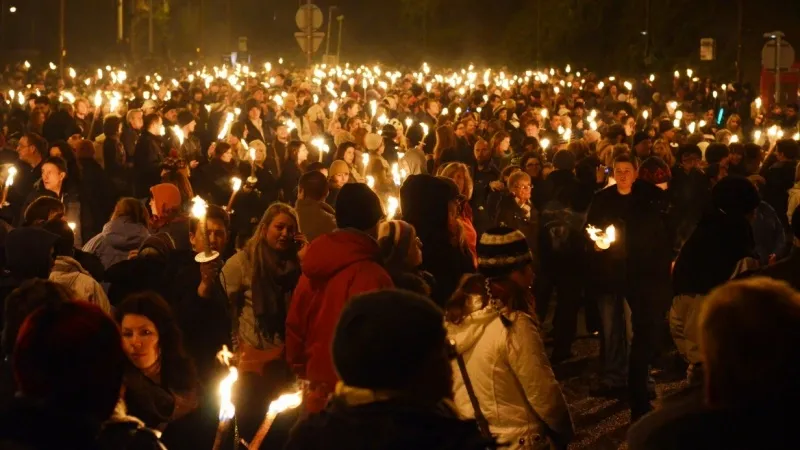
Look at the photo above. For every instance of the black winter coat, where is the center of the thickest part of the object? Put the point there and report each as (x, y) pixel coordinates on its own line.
(387, 425)
(640, 258)
(147, 164)
(709, 257)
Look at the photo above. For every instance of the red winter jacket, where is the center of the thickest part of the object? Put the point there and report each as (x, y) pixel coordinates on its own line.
(336, 267)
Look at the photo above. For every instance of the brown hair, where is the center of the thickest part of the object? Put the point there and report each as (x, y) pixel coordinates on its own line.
(133, 209)
(445, 139)
(749, 333)
(507, 293)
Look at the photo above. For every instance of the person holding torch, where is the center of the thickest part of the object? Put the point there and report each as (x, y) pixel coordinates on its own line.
(629, 262)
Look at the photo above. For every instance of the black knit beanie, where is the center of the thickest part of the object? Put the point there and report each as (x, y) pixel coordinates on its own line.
(358, 207)
(384, 337)
(501, 251)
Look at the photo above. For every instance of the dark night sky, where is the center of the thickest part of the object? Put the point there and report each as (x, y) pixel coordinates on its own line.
(459, 31)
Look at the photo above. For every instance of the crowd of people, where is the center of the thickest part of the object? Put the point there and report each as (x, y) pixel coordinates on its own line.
(396, 242)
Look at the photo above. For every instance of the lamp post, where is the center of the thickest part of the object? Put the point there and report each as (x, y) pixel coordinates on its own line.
(339, 44)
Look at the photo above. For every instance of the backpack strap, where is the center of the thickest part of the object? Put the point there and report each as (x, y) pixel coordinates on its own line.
(483, 424)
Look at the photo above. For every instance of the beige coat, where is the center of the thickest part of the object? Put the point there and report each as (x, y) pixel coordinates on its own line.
(316, 218)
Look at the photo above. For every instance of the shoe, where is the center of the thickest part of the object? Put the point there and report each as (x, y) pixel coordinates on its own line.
(604, 389)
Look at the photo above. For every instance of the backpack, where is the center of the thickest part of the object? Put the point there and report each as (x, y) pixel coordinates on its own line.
(561, 230)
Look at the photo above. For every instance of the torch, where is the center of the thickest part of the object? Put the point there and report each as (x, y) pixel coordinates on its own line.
(227, 410)
(236, 184)
(603, 239)
(283, 403)
(98, 101)
(199, 209)
(12, 172)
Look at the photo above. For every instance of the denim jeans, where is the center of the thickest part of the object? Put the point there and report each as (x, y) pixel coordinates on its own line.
(614, 345)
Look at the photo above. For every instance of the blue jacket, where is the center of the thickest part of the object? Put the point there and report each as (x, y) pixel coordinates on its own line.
(118, 238)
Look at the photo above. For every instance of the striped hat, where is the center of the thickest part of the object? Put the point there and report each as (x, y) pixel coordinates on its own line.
(501, 251)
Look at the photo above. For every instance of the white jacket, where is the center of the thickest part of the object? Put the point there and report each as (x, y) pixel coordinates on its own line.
(794, 200)
(512, 379)
(69, 273)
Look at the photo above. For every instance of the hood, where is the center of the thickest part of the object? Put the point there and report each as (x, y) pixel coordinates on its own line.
(66, 264)
(122, 234)
(332, 252)
(468, 332)
(308, 204)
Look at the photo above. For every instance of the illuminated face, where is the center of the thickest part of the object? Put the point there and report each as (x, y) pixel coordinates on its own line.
(302, 154)
(227, 156)
(280, 233)
(460, 181)
(217, 237)
(625, 175)
(341, 179)
(140, 341)
(522, 189)
(350, 155)
(52, 177)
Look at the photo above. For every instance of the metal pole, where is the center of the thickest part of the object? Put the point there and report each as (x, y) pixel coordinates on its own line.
(339, 44)
(646, 30)
(150, 28)
(740, 30)
(62, 35)
(328, 38)
(538, 32)
(309, 31)
(120, 32)
(777, 69)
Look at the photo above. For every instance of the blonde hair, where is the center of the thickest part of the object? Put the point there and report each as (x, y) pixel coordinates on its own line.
(450, 170)
(265, 264)
(515, 178)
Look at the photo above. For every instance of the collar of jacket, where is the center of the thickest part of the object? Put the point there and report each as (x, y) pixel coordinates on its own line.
(68, 264)
(355, 396)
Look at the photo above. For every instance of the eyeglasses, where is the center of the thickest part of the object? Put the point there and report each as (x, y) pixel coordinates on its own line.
(524, 187)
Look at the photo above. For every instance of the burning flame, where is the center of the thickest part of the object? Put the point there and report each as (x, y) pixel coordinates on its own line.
(285, 402)
(236, 182)
(602, 239)
(12, 172)
(734, 139)
(392, 204)
(370, 181)
(199, 207)
(226, 407)
(179, 133)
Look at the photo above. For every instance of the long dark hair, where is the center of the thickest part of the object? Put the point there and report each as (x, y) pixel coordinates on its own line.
(177, 369)
(505, 292)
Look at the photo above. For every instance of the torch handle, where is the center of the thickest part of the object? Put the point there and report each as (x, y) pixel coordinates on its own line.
(222, 429)
(5, 195)
(262, 431)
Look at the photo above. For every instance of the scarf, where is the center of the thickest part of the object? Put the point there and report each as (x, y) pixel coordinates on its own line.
(273, 282)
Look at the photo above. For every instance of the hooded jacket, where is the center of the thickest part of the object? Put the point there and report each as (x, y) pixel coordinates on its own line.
(336, 267)
(316, 218)
(68, 272)
(119, 237)
(512, 379)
